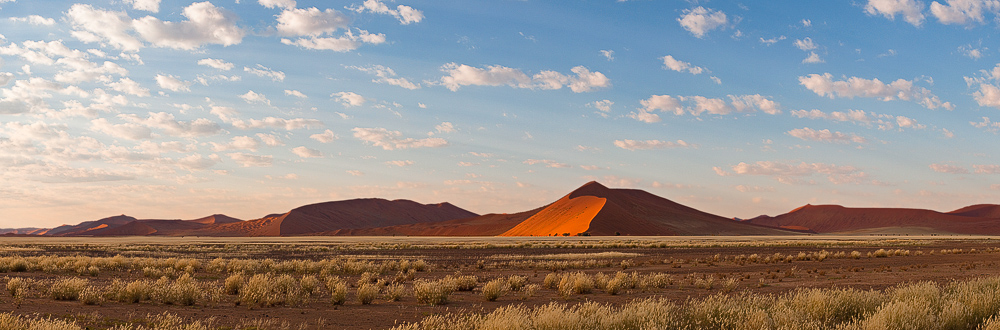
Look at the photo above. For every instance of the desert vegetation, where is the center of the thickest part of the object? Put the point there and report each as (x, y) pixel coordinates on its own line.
(305, 286)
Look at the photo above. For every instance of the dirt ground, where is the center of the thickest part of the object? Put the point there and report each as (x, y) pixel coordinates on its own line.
(924, 262)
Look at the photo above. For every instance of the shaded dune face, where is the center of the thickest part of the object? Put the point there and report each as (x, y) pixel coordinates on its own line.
(975, 219)
(566, 216)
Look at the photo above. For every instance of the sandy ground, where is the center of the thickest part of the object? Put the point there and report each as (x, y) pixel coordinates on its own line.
(684, 257)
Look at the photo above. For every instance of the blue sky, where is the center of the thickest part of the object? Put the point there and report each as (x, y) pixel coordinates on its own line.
(179, 109)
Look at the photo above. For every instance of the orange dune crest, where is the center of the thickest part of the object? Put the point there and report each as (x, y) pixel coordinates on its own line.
(568, 215)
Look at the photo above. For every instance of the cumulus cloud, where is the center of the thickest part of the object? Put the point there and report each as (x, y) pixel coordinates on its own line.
(963, 12)
(603, 107)
(496, 75)
(263, 71)
(146, 5)
(826, 135)
(987, 124)
(129, 86)
(791, 173)
(948, 168)
(355, 173)
(391, 140)
(445, 127)
(287, 4)
(198, 162)
(130, 131)
(274, 122)
(405, 14)
(700, 20)
(325, 137)
(206, 24)
(172, 83)
(250, 160)
(805, 44)
(812, 58)
(399, 163)
(987, 169)
(216, 63)
(238, 143)
(387, 76)
(651, 144)
(825, 85)
(670, 63)
(270, 140)
(696, 105)
(910, 10)
(608, 54)
(96, 25)
(136, 127)
(306, 152)
(295, 93)
(254, 97)
(547, 163)
(350, 99)
(34, 20)
(348, 42)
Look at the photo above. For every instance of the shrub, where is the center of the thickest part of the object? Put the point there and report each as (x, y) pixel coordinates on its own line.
(575, 283)
(309, 284)
(395, 292)
(234, 283)
(91, 296)
(516, 282)
(68, 289)
(494, 289)
(367, 293)
(551, 281)
(462, 283)
(529, 291)
(270, 290)
(432, 292)
(338, 290)
(17, 286)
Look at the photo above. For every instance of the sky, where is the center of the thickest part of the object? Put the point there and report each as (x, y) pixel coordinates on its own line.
(164, 109)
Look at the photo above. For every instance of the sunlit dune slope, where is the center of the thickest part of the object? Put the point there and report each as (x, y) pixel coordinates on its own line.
(567, 215)
(839, 219)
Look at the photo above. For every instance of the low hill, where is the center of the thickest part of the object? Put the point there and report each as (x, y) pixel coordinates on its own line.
(352, 214)
(840, 219)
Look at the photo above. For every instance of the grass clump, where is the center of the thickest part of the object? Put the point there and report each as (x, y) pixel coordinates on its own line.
(338, 290)
(492, 290)
(432, 292)
(367, 293)
(68, 289)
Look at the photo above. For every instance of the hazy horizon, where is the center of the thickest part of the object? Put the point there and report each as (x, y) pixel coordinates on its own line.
(182, 109)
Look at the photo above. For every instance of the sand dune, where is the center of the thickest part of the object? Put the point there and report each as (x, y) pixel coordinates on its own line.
(215, 219)
(839, 219)
(979, 211)
(567, 215)
(83, 227)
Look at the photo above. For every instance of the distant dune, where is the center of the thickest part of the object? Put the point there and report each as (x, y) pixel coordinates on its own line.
(839, 219)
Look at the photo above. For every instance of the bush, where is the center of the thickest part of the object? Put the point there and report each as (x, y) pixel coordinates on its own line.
(91, 296)
(338, 290)
(575, 283)
(492, 290)
(234, 283)
(367, 293)
(269, 290)
(395, 292)
(68, 289)
(432, 292)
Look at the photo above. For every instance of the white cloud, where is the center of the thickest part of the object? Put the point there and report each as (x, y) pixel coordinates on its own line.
(445, 127)
(147, 5)
(131, 131)
(206, 24)
(496, 75)
(405, 14)
(355, 173)
(696, 105)
(287, 4)
(238, 143)
(263, 71)
(295, 93)
(604, 106)
(772, 40)
(390, 140)
(273, 122)
(399, 163)
(310, 22)
(348, 42)
(812, 58)
(254, 97)
(350, 99)
(987, 124)
(172, 83)
(987, 96)
(547, 163)
(169, 125)
(790, 173)
(670, 63)
(95, 25)
(216, 63)
(306, 152)
(805, 44)
(34, 20)
(851, 115)
(963, 12)
(198, 162)
(270, 140)
(948, 168)
(972, 52)
(911, 10)
(987, 169)
(325, 137)
(608, 54)
(633, 145)
(826, 135)
(699, 20)
(129, 86)
(387, 76)
(249, 160)
(807, 23)
(751, 103)
(824, 85)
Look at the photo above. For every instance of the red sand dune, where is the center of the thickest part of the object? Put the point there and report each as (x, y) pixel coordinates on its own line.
(149, 227)
(215, 219)
(83, 227)
(340, 215)
(839, 219)
(979, 210)
(629, 212)
(484, 225)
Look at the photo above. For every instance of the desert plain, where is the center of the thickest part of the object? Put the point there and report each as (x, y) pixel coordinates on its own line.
(425, 283)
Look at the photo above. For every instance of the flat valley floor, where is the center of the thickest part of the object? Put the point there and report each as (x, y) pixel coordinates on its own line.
(101, 283)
